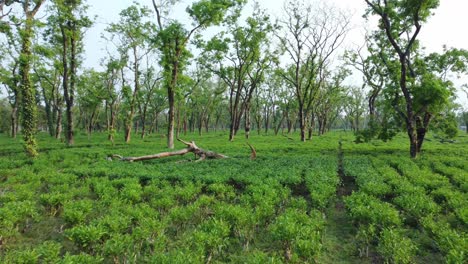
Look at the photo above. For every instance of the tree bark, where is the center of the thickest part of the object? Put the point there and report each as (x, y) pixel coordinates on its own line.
(302, 123)
(65, 81)
(247, 121)
(136, 88)
(171, 100)
(14, 117)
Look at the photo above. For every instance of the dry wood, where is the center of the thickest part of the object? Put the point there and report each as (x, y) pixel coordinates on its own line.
(191, 147)
(253, 155)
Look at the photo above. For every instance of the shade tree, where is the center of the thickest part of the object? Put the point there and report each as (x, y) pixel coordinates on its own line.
(131, 34)
(27, 92)
(173, 39)
(239, 56)
(309, 37)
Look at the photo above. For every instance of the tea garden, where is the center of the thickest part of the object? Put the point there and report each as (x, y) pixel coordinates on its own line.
(328, 200)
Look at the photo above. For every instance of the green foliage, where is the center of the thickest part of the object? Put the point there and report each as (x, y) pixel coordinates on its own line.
(395, 247)
(298, 233)
(385, 131)
(280, 207)
(452, 243)
(367, 209)
(87, 237)
(211, 12)
(5, 110)
(75, 212)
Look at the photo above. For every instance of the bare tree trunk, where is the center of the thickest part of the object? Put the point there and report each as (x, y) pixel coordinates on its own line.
(154, 125)
(232, 126)
(280, 124)
(185, 123)
(290, 125)
(58, 126)
(90, 123)
(200, 124)
(178, 122)
(247, 121)
(171, 119)
(259, 124)
(129, 121)
(207, 123)
(68, 94)
(143, 124)
(311, 126)
(14, 118)
(302, 123)
(112, 122)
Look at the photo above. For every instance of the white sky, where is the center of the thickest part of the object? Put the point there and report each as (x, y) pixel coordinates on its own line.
(447, 26)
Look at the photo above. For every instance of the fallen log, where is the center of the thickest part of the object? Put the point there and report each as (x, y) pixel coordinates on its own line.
(191, 148)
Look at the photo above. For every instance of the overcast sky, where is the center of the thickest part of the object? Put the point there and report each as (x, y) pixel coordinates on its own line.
(446, 27)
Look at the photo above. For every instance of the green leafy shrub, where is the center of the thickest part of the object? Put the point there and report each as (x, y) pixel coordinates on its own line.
(417, 205)
(395, 247)
(366, 209)
(82, 258)
(211, 237)
(87, 237)
(118, 247)
(75, 212)
(452, 243)
(54, 201)
(298, 233)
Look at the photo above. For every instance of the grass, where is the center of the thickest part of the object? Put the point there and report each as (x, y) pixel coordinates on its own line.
(297, 202)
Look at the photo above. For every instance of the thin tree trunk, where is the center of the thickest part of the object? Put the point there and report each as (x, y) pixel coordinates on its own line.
(302, 123)
(143, 123)
(247, 121)
(129, 122)
(14, 119)
(68, 96)
(207, 123)
(171, 114)
(232, 126)
(58, 125)
(280, 124)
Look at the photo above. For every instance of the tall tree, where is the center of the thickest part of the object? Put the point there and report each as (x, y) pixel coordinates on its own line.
(27, 91)
(354, 107)
(309, 39)
(70, 20)
(91, 92)
(240, 56)
(150, 85)
(133, 34)
(401, 21)
(172, 41)
(329, 100)
(49, 71)
(49, 82)
(9, 74)
(113, 68)
(373, 71)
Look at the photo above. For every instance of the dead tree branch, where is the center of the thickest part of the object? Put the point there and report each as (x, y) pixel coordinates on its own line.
(253, 155)
(191, 147)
